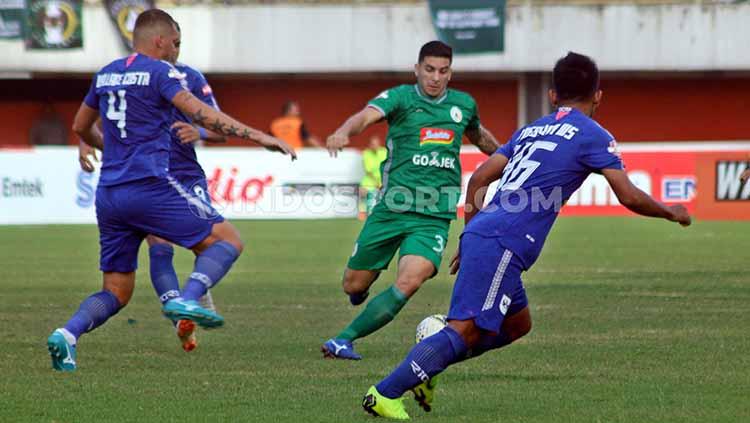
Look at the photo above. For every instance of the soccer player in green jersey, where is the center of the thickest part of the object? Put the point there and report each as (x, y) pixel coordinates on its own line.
(420, 189)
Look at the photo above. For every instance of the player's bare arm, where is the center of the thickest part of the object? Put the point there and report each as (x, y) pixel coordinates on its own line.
(489, 172)
(188, 134)
(483, 139)
(639, 202)
(86, 157)
(83, 125)
(745, 175)
(353, 126)
(219, 122)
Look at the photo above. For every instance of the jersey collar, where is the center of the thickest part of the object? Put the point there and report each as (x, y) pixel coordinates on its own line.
(428, 98)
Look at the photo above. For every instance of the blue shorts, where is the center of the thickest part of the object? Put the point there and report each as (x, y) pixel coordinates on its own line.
(196, 185)
(488, 287)
(159, 206)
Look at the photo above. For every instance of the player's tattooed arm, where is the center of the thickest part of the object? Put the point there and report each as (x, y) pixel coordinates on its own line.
(353, 126)
(641, 203)
(188, 133)
(483, 139)
(221, 123)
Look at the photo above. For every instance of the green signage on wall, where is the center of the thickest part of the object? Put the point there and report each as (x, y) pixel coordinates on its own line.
(11, 18)
(470, 26)
(53, 24)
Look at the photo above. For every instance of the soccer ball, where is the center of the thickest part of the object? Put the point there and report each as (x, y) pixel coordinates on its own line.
(430, 326)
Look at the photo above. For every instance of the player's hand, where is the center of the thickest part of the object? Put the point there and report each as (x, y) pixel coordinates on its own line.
(336, 143)
(86, 157)
(745, 175)
(274, 144)
(186, 132)
(680, 215)
(455, 262)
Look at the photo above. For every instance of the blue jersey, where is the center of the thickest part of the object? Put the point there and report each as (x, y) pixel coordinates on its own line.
(182, 160)
(548, 162)
(133, 96)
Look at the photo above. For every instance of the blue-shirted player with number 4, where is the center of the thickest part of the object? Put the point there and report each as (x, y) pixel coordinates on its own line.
(184, 167)
(541, 166)
(136, 195)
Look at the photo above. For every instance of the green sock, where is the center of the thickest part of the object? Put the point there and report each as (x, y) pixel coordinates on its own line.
(378, 312)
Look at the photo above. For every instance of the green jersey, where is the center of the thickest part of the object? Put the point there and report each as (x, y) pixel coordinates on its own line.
(422, 173)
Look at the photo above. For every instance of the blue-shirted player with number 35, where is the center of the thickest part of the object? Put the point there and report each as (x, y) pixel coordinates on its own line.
(541, 166)
(135, 97)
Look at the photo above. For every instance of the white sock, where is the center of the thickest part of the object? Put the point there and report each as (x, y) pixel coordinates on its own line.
(207, 301)
(68, 336)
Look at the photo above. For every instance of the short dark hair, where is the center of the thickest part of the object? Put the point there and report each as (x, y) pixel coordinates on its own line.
(436, 49)
(152, 19)
(287, 106)
(575, 77)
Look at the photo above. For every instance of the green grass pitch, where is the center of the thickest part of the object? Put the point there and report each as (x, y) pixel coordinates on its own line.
(635, 320)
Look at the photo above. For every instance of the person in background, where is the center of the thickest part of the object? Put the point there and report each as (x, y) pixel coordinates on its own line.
(49, 128)
(372, 157)
(291, 128)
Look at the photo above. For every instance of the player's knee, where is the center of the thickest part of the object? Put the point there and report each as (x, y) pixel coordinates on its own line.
(468, 330)
(354, 283)
(121, 285)
(409, 284)
(237, 244)
(521, 328)
(224, 232)
(152, 240)
(351, 288)
(231, 235)
(123, 295)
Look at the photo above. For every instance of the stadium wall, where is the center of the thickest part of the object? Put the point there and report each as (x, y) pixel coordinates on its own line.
(385, 38)
(655, 107)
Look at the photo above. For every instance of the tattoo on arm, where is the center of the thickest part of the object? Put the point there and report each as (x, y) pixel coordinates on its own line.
(217, 126)
(199, 118)
(486, 142)
(211, 119)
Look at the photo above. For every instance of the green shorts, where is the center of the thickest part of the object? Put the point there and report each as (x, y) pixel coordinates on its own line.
(411, 233)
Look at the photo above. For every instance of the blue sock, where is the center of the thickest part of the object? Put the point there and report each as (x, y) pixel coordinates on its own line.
(163, 276)
(426, 360)
(210, 267)
(93, 312)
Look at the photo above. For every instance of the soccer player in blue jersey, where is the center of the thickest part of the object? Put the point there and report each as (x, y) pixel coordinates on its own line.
(541, 166)
(184, 167)
(136, 195)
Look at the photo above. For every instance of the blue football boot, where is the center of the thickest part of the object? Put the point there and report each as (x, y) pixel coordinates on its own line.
(339, 348)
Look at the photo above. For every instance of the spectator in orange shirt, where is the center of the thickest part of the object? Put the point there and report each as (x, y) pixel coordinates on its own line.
(291, 128)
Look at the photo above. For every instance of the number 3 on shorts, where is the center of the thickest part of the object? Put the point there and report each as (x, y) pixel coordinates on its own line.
(440, 244)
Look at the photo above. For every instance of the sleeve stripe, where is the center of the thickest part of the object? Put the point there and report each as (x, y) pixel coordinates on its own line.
(376, 107)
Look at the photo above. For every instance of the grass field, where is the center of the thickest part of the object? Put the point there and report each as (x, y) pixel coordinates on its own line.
(636, 320)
